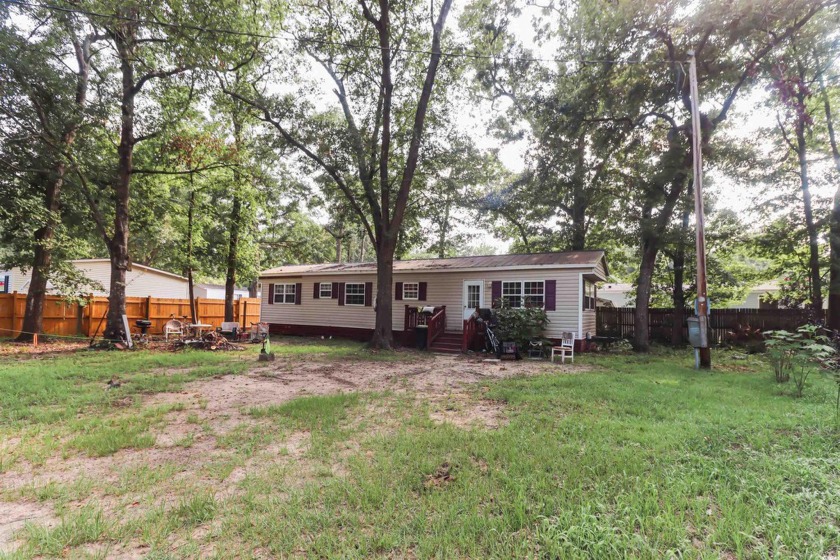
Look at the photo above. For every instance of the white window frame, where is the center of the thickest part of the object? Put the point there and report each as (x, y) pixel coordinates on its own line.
(347, 293)
(321, 293)
(522, 295)
(416, 286)
(590, 302)
(284, 293)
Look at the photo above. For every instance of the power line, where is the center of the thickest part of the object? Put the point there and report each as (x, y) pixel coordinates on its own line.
(292, 37)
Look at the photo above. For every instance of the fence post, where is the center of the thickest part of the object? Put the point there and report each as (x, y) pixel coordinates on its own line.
(80, 317)
(197, 311)
(14, 312)
(148, 308)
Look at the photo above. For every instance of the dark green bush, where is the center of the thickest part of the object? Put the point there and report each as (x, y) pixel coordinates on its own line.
(521, 324)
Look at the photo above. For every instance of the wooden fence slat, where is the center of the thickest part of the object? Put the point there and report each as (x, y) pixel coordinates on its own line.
(70, 319)
(620, 321)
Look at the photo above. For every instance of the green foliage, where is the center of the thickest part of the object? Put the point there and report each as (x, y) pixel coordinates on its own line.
(196, 509)
(639, 457)
(521, 325)
(796, 355)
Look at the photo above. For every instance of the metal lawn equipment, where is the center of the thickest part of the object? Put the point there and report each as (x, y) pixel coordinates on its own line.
(259, 333)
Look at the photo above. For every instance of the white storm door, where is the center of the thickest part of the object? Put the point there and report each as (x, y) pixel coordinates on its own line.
(473, 296)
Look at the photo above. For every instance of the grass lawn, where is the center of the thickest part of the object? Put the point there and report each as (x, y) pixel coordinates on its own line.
(623, 456)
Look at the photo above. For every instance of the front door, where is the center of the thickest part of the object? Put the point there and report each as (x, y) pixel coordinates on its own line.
(473, 296)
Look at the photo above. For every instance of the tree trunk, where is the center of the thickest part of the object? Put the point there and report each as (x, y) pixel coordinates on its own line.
(444, 227)
(252, 291)
(33, 319)
(338, 249)
(118, 251)
(233, 256)
(383, 337)
(578, 241)
(813, 234)
(833, 319)
(641, 332)
(651, 240)
(190, 282)
(235, 219)
(118, 245)
(679, 260)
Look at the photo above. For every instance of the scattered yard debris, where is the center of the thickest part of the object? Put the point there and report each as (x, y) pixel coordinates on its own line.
(208, 341)
(441, 477)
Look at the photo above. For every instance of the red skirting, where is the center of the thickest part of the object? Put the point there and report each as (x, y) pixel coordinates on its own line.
(364, 335)
(351, 333)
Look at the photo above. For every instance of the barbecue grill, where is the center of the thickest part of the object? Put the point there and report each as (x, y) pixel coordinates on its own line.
(143, 325)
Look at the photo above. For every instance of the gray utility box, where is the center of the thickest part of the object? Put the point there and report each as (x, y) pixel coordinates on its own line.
(698, 332)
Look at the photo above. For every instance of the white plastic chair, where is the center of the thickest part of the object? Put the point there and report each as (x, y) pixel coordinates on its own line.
(566, 348)
(173, 326)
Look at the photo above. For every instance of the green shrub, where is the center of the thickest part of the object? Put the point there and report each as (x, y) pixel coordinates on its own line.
(520, 324)
(797, 354)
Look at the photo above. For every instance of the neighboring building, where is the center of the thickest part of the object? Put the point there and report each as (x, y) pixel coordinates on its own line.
(141, 281)
(337, 299)
(619, 295)
(756, 297)
(217, 291)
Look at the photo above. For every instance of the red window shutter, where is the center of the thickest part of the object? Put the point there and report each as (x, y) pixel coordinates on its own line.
(316, 291)
(298, 293)
(340, 293)
(550, 295)
(270, 294)
(368, 294)
(421, 296)
(335, 290)
(495, 293)
(398, 291)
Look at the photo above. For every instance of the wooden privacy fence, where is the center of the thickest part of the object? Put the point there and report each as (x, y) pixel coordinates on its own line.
(619, 321)
(64, 318)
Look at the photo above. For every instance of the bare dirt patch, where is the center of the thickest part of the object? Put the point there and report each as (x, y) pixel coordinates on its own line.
(210, 408)
(13, 517)
(46, 346)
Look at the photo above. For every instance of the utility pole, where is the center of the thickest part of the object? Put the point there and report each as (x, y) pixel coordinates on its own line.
(705, 353)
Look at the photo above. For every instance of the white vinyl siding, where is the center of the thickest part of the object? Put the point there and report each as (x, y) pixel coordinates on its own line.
(139, 281)
(441, 289)
(324, 312)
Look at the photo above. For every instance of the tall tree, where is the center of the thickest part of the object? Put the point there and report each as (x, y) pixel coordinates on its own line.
(51, 116)
(381, 157)
(792, 86)
(144, 52)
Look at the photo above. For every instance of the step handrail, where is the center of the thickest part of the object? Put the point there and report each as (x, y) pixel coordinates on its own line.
(437, 324)
(468, 334)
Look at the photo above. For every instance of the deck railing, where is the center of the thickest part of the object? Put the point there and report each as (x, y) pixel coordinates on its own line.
(437, 324)
(470, 330)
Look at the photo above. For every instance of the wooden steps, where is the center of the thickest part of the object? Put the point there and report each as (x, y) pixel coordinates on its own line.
(447, 343)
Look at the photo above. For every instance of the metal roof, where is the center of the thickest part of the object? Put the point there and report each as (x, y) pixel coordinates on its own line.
(132, 265)
(568, 259)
